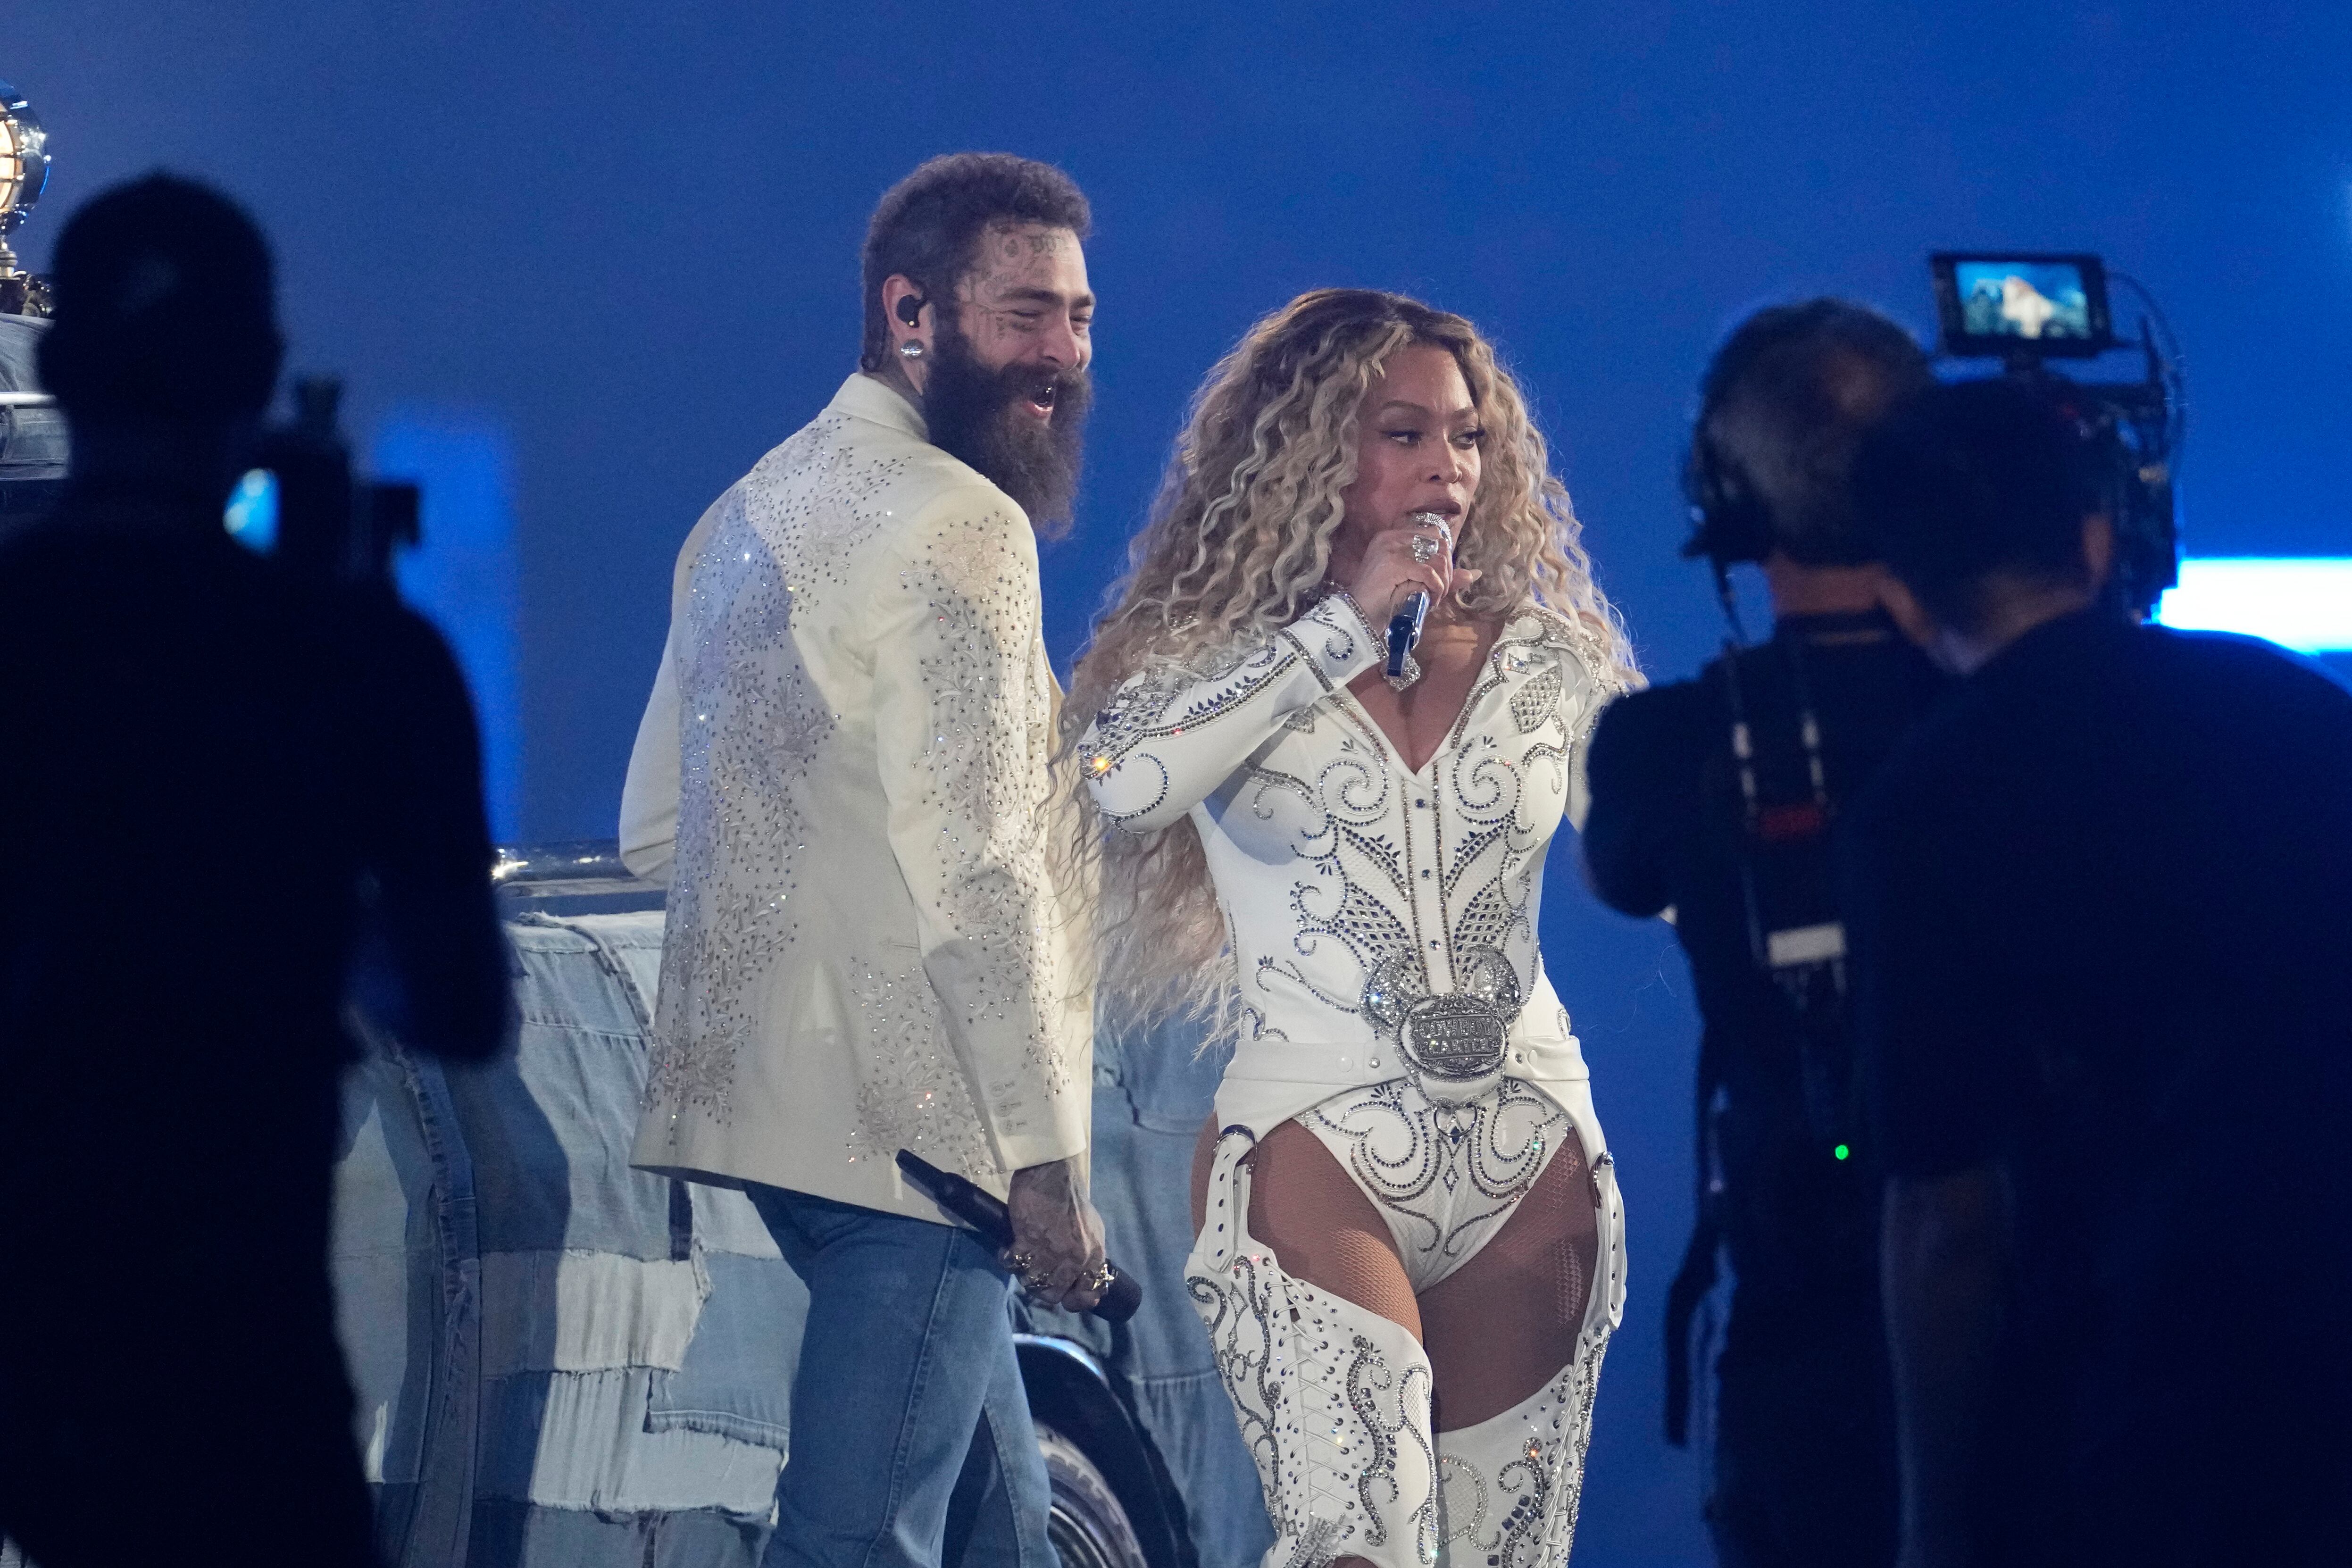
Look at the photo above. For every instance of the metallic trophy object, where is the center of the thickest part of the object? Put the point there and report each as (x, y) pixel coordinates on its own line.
(24, 173)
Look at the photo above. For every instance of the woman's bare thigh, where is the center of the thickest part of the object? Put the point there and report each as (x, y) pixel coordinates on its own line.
(1503, 1325)
(1322, 1229)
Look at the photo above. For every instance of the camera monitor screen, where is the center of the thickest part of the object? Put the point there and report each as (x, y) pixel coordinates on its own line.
(2014, 305)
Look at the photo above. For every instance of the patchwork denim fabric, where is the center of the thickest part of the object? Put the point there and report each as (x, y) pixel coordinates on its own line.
(549, 1127)
(517, 1296)
(562, 1359)
(736, 1379)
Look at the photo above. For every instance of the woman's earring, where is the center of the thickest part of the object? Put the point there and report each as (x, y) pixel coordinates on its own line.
(911, 348)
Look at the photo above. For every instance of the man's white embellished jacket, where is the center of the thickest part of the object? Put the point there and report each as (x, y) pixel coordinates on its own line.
(842, 775)
(1382, 920)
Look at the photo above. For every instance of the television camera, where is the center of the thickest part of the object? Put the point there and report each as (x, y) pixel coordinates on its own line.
(301, 504)
(2028, 309)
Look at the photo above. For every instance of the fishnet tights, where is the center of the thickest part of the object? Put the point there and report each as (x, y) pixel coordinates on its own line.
(1496, 1330)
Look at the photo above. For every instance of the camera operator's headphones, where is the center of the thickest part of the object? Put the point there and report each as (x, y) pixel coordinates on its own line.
(1729, 522)
(1733, 521)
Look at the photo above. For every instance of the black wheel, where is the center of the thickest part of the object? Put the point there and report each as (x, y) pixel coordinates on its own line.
(1087, 1526)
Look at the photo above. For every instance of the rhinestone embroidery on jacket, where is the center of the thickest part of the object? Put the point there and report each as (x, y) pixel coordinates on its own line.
(911, 1089)
(985, 766)
(751, 729)
(787, 536)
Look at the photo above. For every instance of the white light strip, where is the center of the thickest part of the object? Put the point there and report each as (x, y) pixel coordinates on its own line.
(2300, 601)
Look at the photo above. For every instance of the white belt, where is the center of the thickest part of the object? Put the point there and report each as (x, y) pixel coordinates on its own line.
(1285, 1061)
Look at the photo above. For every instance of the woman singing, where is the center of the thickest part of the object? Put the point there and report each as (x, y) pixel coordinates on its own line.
(1409, 1255)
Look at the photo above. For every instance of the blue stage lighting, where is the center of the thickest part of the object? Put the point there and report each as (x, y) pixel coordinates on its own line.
(2299, 601)
(467, 574)
(252, 513)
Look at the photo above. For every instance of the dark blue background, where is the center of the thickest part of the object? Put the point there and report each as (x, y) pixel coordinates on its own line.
(626, 234)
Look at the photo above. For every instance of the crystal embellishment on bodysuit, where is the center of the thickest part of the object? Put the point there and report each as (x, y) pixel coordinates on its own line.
(1444, 1175)
(1538, 702)
(1355, 889)
(1487, 973)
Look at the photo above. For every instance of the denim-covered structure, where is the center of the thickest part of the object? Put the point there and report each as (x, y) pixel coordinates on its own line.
(32, 431)
(560, 1359)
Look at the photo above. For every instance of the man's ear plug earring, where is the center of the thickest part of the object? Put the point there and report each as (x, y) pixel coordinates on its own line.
(910, 349)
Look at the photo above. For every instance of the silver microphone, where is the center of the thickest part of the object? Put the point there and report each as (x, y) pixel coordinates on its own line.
(1404, 625)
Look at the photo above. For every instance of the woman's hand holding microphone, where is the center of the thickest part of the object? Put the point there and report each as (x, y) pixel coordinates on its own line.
(1416, 556)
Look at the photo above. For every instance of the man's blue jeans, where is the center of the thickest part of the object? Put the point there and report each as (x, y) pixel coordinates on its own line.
(907, 1394)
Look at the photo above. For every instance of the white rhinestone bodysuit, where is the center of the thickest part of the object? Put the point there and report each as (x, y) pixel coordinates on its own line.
(1393, 1001)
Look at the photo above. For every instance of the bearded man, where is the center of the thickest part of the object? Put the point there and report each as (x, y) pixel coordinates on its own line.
(842, 775)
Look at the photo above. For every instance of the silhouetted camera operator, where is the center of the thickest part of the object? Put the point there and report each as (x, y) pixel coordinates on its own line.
(214, 770)
(2101, 903)
(1716, 797)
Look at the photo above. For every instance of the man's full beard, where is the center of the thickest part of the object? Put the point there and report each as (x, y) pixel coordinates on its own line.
(972, 414)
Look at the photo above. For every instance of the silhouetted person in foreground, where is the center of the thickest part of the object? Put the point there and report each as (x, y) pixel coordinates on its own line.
(2100, 906)
(213, 773)
(1789, 1188)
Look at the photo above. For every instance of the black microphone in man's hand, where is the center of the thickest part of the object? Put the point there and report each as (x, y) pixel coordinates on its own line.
(1405, 626)
(985, 1213)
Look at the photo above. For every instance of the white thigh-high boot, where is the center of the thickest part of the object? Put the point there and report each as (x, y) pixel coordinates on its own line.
(1333, 1400)
(1510, 1485)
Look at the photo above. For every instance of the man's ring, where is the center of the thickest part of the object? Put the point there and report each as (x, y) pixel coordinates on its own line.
(1033, 1283)
(1425, 549)
(1097, 1279)
(1019, 1262)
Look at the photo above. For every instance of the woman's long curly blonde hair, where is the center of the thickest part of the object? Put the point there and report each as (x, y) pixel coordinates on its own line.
(1236, 546)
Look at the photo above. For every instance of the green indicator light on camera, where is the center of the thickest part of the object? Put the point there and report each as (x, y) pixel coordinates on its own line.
(1841, 1151)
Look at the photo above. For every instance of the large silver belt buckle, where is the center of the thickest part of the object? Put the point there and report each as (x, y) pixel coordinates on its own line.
(1457, 1039)
(1453, 1041)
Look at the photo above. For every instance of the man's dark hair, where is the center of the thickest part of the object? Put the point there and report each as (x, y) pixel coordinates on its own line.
(1784, 405)
(166, 308)
(928, 226)
(1980, 477)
